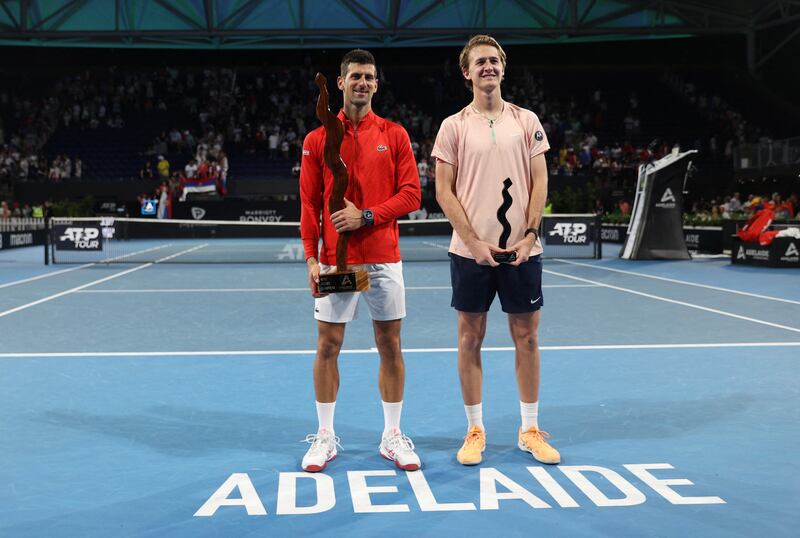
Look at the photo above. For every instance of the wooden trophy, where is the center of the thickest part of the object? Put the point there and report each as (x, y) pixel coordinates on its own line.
(344, 279)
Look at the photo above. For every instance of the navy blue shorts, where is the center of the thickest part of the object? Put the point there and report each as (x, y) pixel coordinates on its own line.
(474, 285)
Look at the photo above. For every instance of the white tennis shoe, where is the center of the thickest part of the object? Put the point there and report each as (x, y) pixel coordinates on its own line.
(322, 450)
(399, 448)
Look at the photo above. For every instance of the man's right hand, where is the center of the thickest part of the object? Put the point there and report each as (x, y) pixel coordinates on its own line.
(483, 252)
(313, 277)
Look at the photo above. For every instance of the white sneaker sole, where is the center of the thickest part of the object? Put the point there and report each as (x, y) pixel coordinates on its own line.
(407, 467)
(470, 463)
(524, 448)
(318, 468)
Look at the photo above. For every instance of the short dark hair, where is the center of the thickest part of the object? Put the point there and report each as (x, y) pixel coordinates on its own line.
(356, 56)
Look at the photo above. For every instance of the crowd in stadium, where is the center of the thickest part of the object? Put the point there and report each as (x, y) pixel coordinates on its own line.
(206, 123)
(268, 112)
(784, 208)
(15, 210)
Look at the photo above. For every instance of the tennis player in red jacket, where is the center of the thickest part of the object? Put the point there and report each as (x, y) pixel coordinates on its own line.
(383, 186)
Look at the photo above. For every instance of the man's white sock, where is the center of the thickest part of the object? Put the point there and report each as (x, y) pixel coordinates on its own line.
(475, 415)
(530, 415)
(325, 415)
(391, 416)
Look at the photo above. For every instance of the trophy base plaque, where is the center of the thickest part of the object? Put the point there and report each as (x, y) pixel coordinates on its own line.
(344, 281)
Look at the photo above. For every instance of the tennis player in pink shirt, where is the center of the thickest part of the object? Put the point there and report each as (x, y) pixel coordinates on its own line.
(491, 182)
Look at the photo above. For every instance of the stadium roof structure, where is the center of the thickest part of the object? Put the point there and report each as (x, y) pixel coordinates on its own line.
(291, 24)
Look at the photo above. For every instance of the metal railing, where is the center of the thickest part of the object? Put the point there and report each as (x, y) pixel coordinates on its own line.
(774, 153)
(17, 224)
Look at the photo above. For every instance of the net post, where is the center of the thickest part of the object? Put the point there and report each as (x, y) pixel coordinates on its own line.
(47, 241)
(598, 236)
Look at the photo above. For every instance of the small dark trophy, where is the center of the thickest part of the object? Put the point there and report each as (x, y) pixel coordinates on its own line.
(344, 279)
(505, 257)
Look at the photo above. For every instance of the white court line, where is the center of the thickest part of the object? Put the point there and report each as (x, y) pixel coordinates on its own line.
(123, 256)
(46, 275)
(94, 282)
(674, 301)
(72, 290)
(249, 290)
(62, 271)
(270, 352)
(197, 290)
(181, 253)
(684, 282)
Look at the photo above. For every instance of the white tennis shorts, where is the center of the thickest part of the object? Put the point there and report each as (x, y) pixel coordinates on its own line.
(386, 297)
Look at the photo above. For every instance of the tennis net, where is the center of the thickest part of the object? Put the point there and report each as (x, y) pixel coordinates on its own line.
(136, 240)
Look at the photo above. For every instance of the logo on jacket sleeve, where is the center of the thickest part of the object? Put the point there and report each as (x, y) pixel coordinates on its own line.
(381, 147)
(538, 135)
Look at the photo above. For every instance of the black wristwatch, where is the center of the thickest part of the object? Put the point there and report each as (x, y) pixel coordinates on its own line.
(368, 216)
(533, 231)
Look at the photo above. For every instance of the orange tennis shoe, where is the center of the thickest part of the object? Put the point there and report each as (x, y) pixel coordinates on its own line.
(534, 441)
(471, 451)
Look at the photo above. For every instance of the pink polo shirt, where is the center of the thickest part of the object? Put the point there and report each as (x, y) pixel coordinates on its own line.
(484, 160)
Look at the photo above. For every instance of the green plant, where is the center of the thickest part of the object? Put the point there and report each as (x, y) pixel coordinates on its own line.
(578, 200)
(72, 208)
(616, 218)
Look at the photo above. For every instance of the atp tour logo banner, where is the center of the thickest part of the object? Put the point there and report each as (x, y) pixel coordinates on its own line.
(77, 237)
(567, 232)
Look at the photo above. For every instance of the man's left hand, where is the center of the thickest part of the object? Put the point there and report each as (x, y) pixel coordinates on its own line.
(347, 219)
(523, 249)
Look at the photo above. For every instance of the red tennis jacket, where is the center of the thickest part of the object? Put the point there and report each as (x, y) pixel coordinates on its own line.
(383, 177)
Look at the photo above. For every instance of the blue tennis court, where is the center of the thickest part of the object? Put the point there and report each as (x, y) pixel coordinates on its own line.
(170, 400)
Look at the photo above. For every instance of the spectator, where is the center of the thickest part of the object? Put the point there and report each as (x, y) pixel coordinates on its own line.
(784, 210)
(175, 140)
(163, 168)
(422, 168)
(147, 171)
(66, 167)
(163, 201)
(202, 170)
(202, 152)
(24, 169)
(5, 212)
(223, 172)
(735, 203)
(792, 206)
(190, 170)
(54, 174)
(599, 207)
(273, 144)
